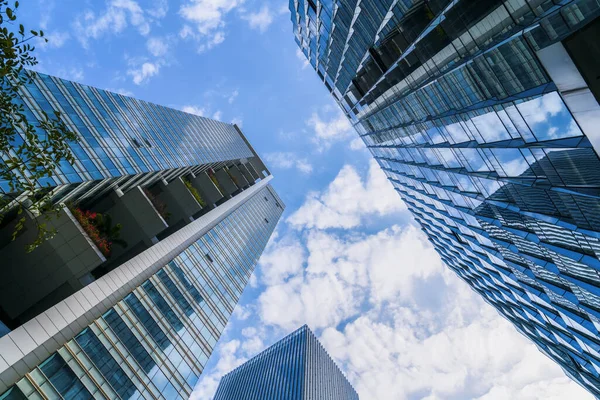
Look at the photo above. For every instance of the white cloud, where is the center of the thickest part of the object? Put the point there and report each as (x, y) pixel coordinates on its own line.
(302, 58)
(206, 21)
(233, 96)
(330, 129)
(72, 74)
(240, 312)
(143, 72)
(217, 115)
(348, 200)
(117, 16)
(238, 121)
(56, 39)
(157, 46)
(357, 144)
(200, 111)
(228, 360)
(398, 323)
(159, 10)
(289, 160)
(260, 20)
(122, 91)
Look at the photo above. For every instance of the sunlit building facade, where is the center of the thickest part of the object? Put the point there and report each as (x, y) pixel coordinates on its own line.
(484, 115)
(82, 320)
(295, 368)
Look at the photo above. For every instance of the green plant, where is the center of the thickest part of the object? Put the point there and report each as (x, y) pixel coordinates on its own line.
(31, 151)
(194, 192)
(213, 178)
(110, 232)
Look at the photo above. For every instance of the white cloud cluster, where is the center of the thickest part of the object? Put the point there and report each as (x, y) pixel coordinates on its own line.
(348, 200)
(398, 323)
(260, 20)
(334, 127)
(200, 111)
(157, 46)
(302, 58)
(56, 39)
(288, 160)
(357, 144)
(206, 21)
(117, 16)
(143, 71)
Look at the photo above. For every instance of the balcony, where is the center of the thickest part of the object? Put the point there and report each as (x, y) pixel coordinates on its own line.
(29, 281)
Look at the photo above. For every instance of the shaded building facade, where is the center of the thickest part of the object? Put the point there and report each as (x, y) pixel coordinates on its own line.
(295, 368)
(84, 320)
(484, 116)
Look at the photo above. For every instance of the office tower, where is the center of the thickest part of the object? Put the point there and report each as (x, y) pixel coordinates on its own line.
(86, 315)
(484, 115)
(295, 368)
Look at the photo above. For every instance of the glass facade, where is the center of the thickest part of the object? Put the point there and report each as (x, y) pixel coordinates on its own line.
(484, 118)
(155, 342)
(121, 136)
(295, 368)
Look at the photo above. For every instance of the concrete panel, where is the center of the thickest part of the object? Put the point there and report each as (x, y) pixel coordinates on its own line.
(252, 171)
(259, 166)
(244, 170)
(138, 216)
(225, 181)
(561, 68)
(242, 181)
(179, 200)
(574, 90)
(207, 188)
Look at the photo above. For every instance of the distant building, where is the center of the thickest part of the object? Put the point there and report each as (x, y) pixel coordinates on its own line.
(81, 318)
(295, 368)
(484, 115)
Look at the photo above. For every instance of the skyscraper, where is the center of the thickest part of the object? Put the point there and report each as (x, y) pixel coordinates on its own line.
(295, 368)
(133, 314)
(484, 115)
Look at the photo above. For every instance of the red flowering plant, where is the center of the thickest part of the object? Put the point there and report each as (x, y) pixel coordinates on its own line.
(99, 228)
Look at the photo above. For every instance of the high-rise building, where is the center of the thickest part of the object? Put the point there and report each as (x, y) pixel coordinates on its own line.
(484, 115)
(295, 368)
(100, 313)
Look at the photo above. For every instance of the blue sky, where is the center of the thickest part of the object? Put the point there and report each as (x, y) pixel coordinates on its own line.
(346, 257)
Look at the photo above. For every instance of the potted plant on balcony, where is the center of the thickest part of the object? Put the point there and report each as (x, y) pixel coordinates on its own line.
(211, 175)
(194, 192)
(99, 229)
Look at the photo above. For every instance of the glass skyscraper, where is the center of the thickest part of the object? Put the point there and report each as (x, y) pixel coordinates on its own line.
(84, 319)
(484, 115)
(295, 368)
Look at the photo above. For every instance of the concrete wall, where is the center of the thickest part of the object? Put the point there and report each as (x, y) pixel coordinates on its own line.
(225, 181)
(574, 90)
(181, 203)
(258, 166)
(242, 181)
(244, 170)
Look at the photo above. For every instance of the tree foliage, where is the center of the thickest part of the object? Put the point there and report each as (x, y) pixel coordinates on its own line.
(31, 150)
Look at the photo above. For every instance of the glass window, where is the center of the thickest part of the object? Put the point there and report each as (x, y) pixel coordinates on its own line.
(106, 364)
(64, 379)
